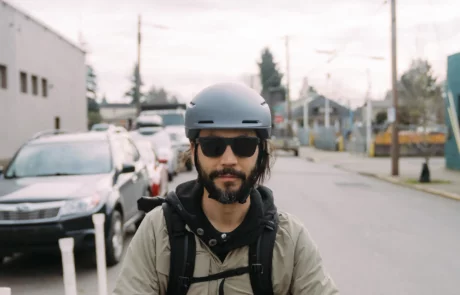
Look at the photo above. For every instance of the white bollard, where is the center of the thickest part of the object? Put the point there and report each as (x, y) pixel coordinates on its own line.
(68, 266)
(98, 220)
(5, 291)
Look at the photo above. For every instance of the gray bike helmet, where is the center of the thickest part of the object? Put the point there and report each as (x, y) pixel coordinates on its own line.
(228, 106)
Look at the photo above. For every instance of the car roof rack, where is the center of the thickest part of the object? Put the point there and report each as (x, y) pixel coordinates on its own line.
(50, 132)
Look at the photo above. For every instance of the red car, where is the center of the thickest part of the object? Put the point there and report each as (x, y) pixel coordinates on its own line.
(157, 171)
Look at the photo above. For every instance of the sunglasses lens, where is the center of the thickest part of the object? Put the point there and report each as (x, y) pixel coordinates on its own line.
(245, 146)
(213, 147)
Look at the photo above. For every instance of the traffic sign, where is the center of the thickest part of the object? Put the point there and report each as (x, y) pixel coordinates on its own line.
(279, 119)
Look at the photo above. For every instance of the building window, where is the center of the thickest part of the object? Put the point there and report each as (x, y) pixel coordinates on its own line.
(34, 85)
(3, 80)
(57, 123)
(44, 87)
(23, 77)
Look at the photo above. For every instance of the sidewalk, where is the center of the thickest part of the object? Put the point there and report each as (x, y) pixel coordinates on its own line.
(446, 183)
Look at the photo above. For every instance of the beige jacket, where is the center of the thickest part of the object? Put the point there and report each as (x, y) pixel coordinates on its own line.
(297, 265)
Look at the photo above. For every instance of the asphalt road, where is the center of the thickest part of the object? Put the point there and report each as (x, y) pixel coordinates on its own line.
(375, 237)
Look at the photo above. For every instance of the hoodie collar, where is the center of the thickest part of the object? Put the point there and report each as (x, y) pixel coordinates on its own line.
(261, 212)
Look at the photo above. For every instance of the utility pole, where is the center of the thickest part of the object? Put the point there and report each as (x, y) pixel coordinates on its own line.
(288, 96)
(306, 96)
(395, 133)
(368, 114)
(138, 72)
(350, 115)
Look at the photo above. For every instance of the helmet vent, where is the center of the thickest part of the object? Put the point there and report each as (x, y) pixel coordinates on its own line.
(263, 103)
(250, 122)
(206, 122)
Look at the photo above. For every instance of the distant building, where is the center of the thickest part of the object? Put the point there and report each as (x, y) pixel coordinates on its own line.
(338, 114)
(377, 106)
(117, 113)
(42, 80)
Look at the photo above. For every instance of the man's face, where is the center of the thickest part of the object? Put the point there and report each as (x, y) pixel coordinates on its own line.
(227, 160)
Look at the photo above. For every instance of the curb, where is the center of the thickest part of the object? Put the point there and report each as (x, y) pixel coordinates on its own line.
(432, 191)
(440, 193)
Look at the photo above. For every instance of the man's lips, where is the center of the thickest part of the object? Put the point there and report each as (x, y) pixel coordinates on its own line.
(227, 177)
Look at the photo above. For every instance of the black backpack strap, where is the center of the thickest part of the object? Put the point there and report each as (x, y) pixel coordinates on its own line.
(260, 260)
(147, 204)
(183, 252)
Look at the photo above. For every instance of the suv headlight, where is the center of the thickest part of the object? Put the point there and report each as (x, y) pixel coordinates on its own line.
(82, 205)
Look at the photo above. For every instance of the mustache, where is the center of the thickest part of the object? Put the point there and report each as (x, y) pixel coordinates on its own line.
(227, 171)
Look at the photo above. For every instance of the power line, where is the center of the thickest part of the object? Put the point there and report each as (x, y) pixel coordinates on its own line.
(436, 32)
(354, 38)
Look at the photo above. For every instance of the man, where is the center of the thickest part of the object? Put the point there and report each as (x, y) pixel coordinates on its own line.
(233, 240)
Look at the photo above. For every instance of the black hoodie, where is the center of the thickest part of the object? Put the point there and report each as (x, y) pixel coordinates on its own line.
(262, 212)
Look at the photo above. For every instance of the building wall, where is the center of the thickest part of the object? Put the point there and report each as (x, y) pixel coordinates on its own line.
(451, 149)
(28, 46)
(109, 113)
(118, 115)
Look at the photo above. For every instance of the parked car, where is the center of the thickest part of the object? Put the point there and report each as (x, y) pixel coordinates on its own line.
(104, 127)
(157, 171)
(162, 145)
(55, 183)
(148, 121)
(182, 144)
(169, 117)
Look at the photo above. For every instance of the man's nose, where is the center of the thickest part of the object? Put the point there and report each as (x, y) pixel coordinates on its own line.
(228, 158)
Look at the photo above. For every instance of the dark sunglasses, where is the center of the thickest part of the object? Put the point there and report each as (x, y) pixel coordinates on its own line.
(242, 146)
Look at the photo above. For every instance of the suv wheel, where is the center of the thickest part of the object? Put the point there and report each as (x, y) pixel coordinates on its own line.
(115, 243)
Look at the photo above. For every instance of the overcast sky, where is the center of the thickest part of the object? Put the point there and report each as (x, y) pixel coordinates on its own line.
(209, 41)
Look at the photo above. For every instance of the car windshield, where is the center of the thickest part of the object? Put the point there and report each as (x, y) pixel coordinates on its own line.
(172, 119)
(148, 130)
(100, 127)
(147, 124)
(53, 159)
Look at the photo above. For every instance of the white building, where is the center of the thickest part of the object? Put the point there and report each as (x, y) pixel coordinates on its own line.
(42, 80)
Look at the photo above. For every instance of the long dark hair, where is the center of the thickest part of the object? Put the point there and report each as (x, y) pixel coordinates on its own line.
(265, 160)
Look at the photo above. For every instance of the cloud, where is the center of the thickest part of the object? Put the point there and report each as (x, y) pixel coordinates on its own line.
(213, 40)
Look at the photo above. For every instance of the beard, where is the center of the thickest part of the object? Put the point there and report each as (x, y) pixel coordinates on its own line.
(228, 195)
